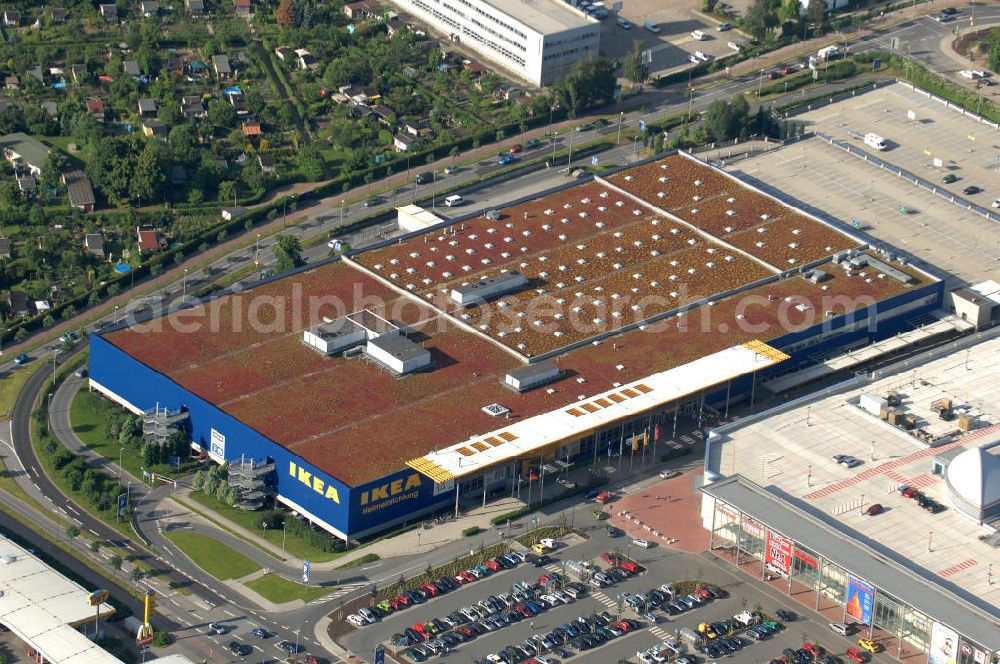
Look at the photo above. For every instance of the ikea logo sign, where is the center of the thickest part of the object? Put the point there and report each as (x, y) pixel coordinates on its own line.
(314, 482)
(390, 493)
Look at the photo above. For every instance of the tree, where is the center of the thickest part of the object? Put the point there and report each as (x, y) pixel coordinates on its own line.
(288, 252)
(635, 68)
(136, 575)
(286, 13)
(72, 532)
(51, 170)
(761, 18)
(252, 173)
(816, 13)
(150, 173)
(221, 114)
(591, 82)
(726, 120)
(227, 192)
(310, 162)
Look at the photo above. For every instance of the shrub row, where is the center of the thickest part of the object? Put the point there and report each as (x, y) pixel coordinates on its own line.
(527, 509)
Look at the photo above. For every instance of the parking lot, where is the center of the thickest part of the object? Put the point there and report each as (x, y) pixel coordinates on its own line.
(959, 245)
(967, 149)
(662, 565)
(673, 45)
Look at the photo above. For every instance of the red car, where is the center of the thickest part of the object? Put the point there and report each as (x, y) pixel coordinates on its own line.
(610, 557)
(703, 593)
(603, 497)
(460, 579)
(466, 630)
(421, 630)
(629, 567)
(788, 70)
(544, 579)
(622, 625)
(857, 656)
(469, 576)
(404, 600)
(874, 509)
(493, 565)
(396, 604)
(517, 147)
(523, 610)
(431, 589)
(910, 492)
(811, 649)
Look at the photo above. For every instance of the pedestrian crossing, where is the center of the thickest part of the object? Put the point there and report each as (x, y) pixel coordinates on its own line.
(659, 633)
(345, 589)
(604, 599)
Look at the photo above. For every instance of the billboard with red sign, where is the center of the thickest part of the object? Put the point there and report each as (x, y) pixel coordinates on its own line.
(779, 552)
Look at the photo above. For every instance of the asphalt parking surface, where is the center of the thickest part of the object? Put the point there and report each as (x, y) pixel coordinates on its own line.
(662, 565)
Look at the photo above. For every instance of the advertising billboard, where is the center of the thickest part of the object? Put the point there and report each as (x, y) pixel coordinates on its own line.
(779, 552)
(944, 645)
(860, 600)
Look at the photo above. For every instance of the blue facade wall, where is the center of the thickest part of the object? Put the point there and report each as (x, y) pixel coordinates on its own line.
(347, 510)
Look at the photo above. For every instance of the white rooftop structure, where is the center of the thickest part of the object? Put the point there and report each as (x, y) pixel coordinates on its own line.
(989, 289)
(43, 608)
(413, 218)
(575, 419)
(974, 480)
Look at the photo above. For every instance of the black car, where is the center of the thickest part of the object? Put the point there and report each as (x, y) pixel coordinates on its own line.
(424, 178)
(615, 532)
(374, 200)
(542, 561)
(239, 649)
(713, 651)
(972, 189)
(785, 616)
(290, 648)
(950, 11)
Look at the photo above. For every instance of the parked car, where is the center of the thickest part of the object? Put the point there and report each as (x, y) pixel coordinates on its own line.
(869, 645)
(641, 543)
(972, 189)
(722, 27)
(217, 628)
(239, 649)
(785, 616)
(698, 35)
(949, 178)
(736, 46)
(874, 510)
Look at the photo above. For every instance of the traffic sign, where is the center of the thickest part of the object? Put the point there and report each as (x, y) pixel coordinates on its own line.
(305, 571)
(594, 161)
(642, 125)
(122, 503)
(379, 655)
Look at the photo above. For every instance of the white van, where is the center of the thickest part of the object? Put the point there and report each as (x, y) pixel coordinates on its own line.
(874, 141)
(623, 24)
(698, 34)
(652, 26)
(454, 200)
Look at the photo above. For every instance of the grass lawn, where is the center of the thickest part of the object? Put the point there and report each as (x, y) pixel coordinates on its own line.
(212, 556)
(62, 143)
(279, 590)
(87, 415)
(11, 384)
(294, 546)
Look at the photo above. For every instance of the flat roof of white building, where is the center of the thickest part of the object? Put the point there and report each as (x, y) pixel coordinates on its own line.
(790, 450)
(42, 607)
(543, 16)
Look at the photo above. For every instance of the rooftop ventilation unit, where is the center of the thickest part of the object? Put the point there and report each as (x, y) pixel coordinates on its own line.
(488, 287)
(496, 410)
(531, 376)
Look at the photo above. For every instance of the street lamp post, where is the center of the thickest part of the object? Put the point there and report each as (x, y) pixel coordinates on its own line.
(570, 160)
(554, 147)
(184, 284)
(121, 451)
(341, 211)
(635, 149)
(621, 118)
(760, 83)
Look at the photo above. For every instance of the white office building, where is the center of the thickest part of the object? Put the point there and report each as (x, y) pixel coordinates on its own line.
(537, 41)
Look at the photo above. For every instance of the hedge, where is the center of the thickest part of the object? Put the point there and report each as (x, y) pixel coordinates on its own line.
(676, 454)
(469, 532)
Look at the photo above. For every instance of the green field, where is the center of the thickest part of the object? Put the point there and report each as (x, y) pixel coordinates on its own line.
(10, 387)
(294, 546)
(212, 556)
(279, 590)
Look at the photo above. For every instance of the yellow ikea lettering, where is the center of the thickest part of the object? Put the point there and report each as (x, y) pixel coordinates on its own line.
(313, 482)
(393, 488)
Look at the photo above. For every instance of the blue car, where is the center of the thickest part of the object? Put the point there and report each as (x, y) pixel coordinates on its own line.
(571, 630)
(259, 633)
(21, 359)
(506, 159)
